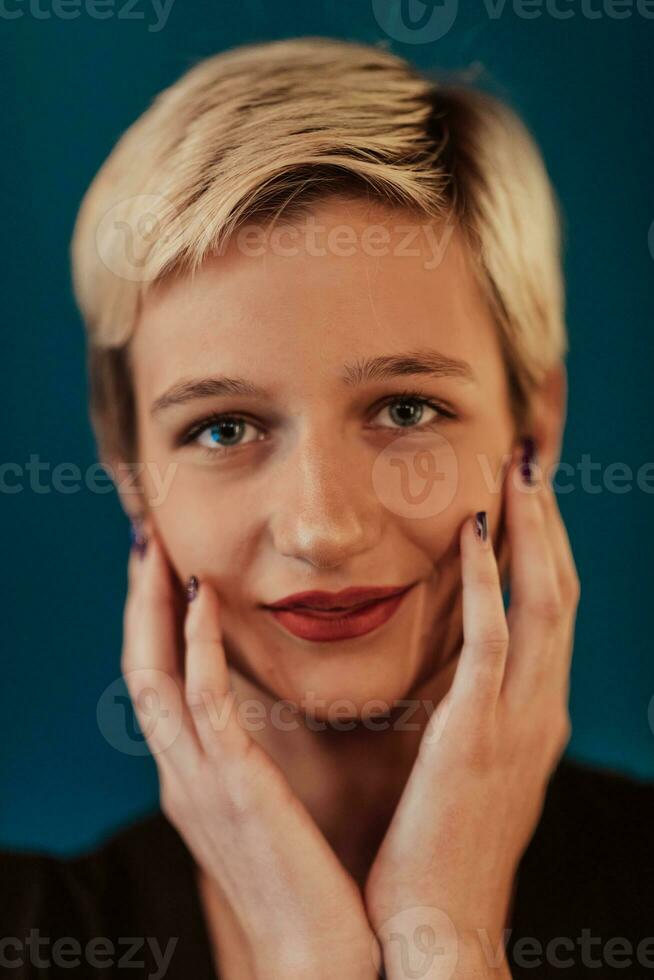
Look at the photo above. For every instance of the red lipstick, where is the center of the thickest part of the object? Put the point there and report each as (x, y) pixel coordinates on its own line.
(328, 616)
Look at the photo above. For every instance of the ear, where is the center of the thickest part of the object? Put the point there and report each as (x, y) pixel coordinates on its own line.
(548, 414)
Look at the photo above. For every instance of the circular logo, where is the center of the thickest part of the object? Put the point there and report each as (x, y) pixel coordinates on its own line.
(159, 710)
(420, 942)
(126, 233)
(415, 21)
(416, 476)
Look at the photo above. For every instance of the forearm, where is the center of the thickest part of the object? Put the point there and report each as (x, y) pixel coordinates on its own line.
(297, 962)
(249, 948)
(339, 950)
(326, 969)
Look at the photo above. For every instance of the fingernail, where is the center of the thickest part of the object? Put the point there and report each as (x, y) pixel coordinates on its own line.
(481, 525)
(139, 542)
(528, 460)
(192, 587)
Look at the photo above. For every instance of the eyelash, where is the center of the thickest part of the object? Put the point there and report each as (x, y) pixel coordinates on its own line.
(198, 427)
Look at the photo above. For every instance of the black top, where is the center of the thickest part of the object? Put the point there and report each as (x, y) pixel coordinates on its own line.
(584, 904)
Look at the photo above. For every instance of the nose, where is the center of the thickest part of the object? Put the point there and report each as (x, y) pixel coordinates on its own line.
(325, 512)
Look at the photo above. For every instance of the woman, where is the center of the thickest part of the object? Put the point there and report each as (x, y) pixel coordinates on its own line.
(326, 336)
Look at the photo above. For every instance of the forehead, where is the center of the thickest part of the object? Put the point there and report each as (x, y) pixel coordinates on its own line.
(350, 279)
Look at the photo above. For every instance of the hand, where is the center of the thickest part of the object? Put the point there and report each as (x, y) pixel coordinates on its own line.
(477, 788)
(297, 907)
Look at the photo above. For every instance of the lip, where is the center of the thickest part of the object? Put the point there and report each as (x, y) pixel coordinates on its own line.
(343, 601)
(329, 624)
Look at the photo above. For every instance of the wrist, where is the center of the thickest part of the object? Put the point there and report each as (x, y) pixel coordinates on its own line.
(321, 960)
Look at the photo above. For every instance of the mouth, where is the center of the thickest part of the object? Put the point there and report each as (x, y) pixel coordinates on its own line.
(324, 617)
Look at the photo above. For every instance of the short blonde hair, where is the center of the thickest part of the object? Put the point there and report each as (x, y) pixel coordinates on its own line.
(268, 128)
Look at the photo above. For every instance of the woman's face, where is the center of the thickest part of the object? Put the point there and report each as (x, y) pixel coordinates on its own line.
(366, 416)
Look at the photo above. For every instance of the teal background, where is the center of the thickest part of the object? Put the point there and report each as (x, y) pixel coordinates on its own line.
(70, 87)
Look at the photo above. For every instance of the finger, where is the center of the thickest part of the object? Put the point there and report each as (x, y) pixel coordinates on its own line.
(150, 662)
(569, 587)
(208, 692)
(480, 671)
(139, 534)
(535, 610)
(133, 564)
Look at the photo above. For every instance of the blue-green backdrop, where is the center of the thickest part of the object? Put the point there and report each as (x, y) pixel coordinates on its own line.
(74, 74)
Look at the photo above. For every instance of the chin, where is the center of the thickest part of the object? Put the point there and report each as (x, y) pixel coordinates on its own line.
(353, 688)
(339, 682)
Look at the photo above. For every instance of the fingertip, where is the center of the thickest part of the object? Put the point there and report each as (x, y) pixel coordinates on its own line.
(480, 529)
(192, 588)
(138, 542)
(525, 484)
(203, 615)
(530, 468)
(476, 534)
(156, 584)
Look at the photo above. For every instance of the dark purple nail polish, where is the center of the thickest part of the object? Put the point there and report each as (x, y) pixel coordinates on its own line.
(481, 525)
(137, 536)
(192, 587)
(527, 462)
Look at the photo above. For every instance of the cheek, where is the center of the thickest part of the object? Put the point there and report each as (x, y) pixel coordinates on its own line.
(207, 528)
(433, 481)
(436, 531)
(481, 471)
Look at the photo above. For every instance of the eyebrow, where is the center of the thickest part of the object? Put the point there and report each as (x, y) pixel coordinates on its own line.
(362, 371)
(424, 361)
(186, 391)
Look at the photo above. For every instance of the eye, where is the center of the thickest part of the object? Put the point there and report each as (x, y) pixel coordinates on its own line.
(413, 411)
(222, 432)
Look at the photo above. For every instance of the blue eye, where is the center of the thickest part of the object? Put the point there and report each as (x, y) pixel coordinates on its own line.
(222, 433)
(226, 433)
